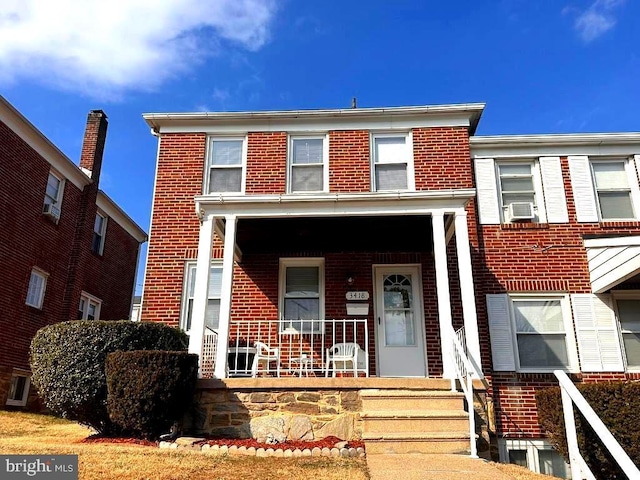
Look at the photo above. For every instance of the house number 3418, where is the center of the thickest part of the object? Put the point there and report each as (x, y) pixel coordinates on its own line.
(357, 295)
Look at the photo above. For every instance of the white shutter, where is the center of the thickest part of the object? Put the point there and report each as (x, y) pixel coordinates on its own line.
(598, 341)
(583, 191)
(637, 162)
(488, 207)
(553, 185)
(502, 350)
(633, 183)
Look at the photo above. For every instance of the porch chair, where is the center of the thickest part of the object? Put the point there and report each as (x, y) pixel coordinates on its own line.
(263, 358)
(341, 355)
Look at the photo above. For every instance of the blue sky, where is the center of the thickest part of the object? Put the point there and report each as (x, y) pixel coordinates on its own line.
(540, 66)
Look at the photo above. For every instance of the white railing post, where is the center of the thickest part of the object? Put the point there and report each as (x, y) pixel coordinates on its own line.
(464, 371)
(572, 436)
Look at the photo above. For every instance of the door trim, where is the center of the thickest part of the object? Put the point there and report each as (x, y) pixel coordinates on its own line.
(392, 267)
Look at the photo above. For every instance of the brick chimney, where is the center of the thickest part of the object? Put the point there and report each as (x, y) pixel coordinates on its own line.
(95, 135)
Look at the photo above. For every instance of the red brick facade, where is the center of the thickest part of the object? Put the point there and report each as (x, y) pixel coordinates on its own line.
(62, 251)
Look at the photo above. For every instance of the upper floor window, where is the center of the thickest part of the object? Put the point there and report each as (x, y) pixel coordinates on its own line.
(302, 294)
(53, 196)
(99, 229)
(37, 287)
(308, 169)
(89, 307)
(212, 314)
(518, 183)
(226, 160)
(612, 184)
(392, 162)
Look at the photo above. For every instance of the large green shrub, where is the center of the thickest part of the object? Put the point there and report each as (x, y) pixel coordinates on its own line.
(618, 406)
(68, 363)
(149, 390)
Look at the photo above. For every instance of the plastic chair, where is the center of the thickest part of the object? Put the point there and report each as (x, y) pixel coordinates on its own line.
(263, 357)
(342, 354)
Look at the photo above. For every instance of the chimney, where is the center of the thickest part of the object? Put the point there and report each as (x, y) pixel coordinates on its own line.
(95, 135)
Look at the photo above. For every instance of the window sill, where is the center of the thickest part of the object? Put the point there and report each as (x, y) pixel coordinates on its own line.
(524, 226)
(16, 403)
(614, 224)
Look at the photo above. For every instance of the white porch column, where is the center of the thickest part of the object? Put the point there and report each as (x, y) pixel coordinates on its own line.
(225, 296)
(442, 289)
(467, 291)
(201, 288)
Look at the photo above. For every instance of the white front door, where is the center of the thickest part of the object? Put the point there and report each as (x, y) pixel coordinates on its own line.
(399, 322)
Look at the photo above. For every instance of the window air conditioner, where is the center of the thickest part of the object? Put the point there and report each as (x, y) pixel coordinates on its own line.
(520, 211)
(52, 211)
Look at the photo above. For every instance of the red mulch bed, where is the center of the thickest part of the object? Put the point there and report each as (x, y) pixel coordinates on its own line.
(328, 442)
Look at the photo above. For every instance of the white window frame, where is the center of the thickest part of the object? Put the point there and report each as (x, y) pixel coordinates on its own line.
(532, 446)
(189, 271)
(38, 272)
(632, 186)
(565, 305)
(11, 400)
(209, 166)
(540, 215)
(624, 295)
(101, 234)
(325, 162)
(411, 180)
(58, 200)
(318, 327)
(88, 300)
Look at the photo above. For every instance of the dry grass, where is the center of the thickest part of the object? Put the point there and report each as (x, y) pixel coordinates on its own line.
(22, 433)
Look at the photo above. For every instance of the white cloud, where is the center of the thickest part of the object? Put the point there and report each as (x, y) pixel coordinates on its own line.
(105, 48)
(597, 19)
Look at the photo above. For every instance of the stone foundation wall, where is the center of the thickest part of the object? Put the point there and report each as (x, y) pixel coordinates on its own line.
(276, 415)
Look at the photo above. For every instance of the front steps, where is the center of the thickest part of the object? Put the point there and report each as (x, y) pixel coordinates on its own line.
(414, 421)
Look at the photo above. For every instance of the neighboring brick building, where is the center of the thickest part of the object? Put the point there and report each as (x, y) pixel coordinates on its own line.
(66, 249)
(425, 224)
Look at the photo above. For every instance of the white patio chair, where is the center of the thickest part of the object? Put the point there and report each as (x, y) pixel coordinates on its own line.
(264, 356)
(341, 355)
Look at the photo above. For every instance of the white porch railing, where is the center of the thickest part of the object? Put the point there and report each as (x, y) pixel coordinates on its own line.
(464, 371)
(579, 468)
(289, 348)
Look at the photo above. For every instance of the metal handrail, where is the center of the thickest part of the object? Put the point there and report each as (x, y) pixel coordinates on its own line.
(579, 468)
(464, 373)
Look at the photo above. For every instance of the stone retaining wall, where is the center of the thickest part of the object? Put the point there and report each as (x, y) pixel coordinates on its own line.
(276, 414)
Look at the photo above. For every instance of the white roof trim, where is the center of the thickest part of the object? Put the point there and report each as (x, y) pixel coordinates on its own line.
(41, 144)
(318, 120)
(334, 204)
(625, 143)
(115, 213)
(612, 261)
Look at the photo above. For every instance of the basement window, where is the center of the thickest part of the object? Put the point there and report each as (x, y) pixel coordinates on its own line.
(536, 455)
(18, 391)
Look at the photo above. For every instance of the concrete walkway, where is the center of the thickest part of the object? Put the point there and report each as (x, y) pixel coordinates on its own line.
(437, 466)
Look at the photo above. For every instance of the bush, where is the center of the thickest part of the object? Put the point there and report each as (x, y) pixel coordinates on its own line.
(149, 390)
(68, 363)
(618, 406)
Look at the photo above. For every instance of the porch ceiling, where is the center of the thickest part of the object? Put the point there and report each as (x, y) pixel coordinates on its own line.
(407, 233)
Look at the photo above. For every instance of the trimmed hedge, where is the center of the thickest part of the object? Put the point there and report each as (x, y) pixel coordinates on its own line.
(68, 363)
(618, 406)
(149, 390)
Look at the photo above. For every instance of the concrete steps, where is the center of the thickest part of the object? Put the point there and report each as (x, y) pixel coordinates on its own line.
(400, 421)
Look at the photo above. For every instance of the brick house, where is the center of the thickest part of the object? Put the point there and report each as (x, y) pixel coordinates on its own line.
(68, 251)
(277, 235)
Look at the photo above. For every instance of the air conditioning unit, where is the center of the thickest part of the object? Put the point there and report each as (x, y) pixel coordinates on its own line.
(520, 211)
(51, 211)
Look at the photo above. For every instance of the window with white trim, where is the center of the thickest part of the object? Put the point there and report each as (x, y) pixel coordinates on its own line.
(212, 315)
(536, 455)
(89, 307)
(628, 313)
(99, 230)
(612, 181)
(520, 191)
(308, 164)
(18, 390)
(225, 165)
(531, 333)
(392, 162)
(302, 295)
(37, 287)
(53, 196)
